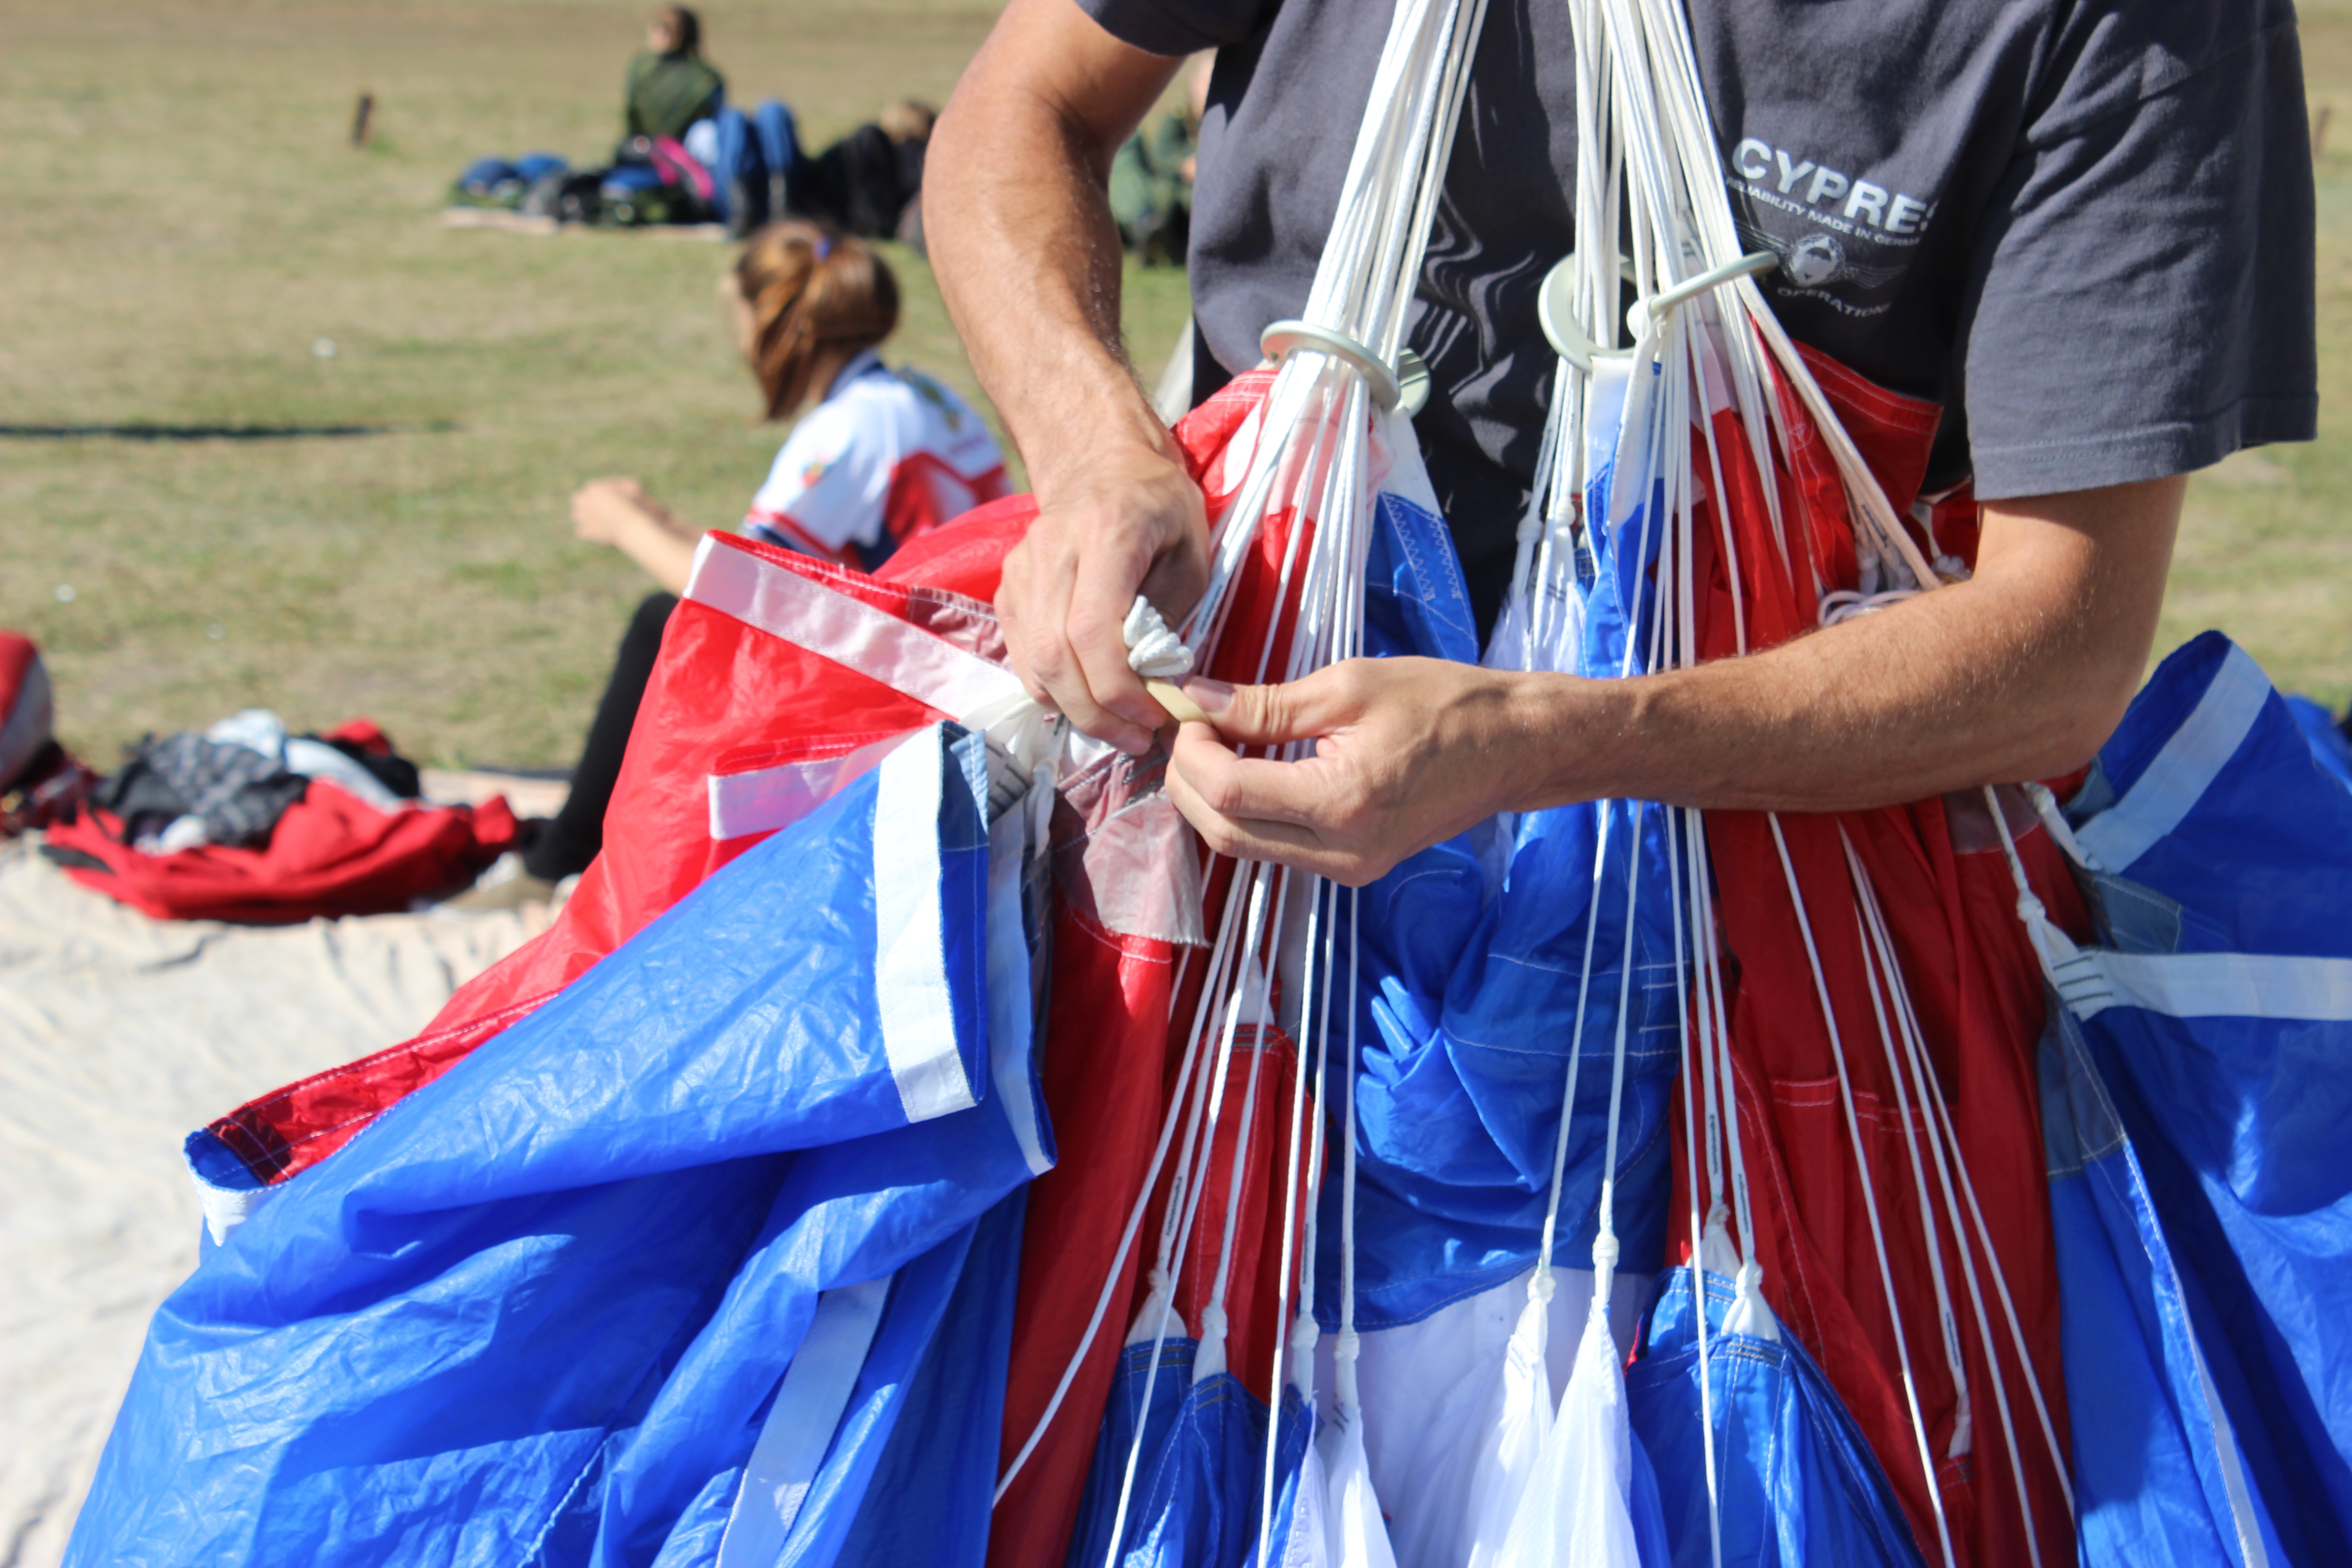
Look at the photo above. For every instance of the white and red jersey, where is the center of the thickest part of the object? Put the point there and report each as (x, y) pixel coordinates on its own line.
(888, 454)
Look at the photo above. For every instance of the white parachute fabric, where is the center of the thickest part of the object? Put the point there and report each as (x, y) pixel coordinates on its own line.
(1359, 1535)
(1579, 1511)
(1522, 1430)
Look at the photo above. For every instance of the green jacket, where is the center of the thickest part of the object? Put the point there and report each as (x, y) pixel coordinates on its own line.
(666, 93)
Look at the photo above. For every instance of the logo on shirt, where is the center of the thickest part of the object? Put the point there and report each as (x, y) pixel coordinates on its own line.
(937, 396)
(813, 472)
(1840, 239)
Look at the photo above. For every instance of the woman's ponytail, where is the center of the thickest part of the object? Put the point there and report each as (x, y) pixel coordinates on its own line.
(810, 290)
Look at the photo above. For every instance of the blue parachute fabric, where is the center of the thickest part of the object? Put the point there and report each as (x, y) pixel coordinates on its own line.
(929, 1497)
(1645, 1501)
(2224, 850)
(1468, 1002)
(536, 1311)
(2329, 743)
(1197, 1500)
(1414, 600)
(2160, 1481)
(1123, 1411)
(1798, 1487)
(826, 1494)
(1294, 1438)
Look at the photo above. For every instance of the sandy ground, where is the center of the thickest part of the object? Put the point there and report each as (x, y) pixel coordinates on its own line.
(119, 1036)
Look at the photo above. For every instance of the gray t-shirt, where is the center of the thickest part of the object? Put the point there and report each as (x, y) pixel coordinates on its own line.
(2083, 228)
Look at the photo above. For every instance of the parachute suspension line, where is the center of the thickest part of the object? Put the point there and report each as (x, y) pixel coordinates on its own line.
(1678, 827)
(1213, 1323)
(1869, 1193)
(1183, 1204)
(1317, 634)
(1940, 1140)
(1343, 1366)
(1307, 1332)
(1878, 976)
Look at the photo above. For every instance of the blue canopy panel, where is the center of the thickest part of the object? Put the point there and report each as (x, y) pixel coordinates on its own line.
(2329, 743)
(1196, 1501)
(1139, 1397)
(1469, 999)
(1798, 1485)
(538, 1311)
(2159, 1481)
(928, 1498)
(2218, 1013)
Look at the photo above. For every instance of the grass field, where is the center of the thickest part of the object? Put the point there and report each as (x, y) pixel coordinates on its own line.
(188, 223)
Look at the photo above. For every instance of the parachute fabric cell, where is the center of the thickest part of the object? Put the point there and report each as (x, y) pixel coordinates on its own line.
(560, 1335)
(2151, 1440)
(1799, 1488)
(1867, 1046)
(731, 698)
(2217, 1011)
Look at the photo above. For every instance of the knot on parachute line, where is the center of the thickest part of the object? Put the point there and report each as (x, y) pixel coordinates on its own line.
(1153, 650)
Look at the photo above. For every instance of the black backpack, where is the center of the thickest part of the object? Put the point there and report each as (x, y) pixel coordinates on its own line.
(568, 195)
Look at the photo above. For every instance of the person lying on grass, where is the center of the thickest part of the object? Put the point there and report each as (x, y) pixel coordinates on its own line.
(884, 455)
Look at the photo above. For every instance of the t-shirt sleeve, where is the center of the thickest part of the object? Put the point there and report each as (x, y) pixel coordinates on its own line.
(2141, 299)
(828, 490)
(1179, 26)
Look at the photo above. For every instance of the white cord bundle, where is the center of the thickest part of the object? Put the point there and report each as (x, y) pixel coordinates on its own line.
(1704, 342)
(1310, 475)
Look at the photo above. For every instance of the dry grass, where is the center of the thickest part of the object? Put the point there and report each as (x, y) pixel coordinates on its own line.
(190, 221)
(187, 220)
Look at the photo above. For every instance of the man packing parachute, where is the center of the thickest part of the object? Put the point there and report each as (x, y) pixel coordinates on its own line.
(1943, 209)
(1592, 878)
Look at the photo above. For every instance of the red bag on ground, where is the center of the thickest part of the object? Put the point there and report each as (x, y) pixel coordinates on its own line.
(329, 854)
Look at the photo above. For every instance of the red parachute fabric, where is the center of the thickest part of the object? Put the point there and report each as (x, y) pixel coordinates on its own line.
(329, 854)
(728, 698)
(1077, 1211)
(766, 667)
(1945, 892)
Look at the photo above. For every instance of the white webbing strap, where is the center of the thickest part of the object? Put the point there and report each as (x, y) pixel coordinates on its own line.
(2177, 778)
(794, 1439)
(850, 632)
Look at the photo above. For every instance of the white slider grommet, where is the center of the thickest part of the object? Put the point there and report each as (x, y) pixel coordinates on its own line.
(1556, 313)
(1284, 338)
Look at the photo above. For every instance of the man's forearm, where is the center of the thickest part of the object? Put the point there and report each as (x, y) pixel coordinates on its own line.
(1027, 254)
(2022, 673)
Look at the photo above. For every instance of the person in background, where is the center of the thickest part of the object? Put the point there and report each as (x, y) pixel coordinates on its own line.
(670, 87)
(885, 454)
(1152, 174)
(865, 183)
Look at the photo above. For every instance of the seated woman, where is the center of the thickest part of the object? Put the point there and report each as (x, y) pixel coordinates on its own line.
(885, 454)
(670, 87)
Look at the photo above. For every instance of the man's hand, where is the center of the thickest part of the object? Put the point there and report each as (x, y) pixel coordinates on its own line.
(1408, 751)
(1127, 525)
(1015, 210)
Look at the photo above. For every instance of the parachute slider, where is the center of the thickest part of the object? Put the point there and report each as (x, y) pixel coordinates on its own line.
(1555, 309)
(1406, 388)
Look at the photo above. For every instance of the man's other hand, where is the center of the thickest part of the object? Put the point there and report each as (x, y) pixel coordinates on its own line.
(1129, 523)
(1408, 751)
